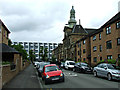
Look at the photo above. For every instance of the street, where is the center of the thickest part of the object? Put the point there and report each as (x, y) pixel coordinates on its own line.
(29, 79)
(80, 80)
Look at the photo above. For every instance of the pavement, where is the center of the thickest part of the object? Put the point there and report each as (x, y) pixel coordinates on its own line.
(25, 79)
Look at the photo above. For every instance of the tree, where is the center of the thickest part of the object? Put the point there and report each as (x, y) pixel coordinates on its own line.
(43, 53)
(31, 56)
(53, 59)
(9, 42)
(21, 50)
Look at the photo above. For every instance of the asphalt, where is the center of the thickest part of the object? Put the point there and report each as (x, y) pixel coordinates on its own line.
(25, 79)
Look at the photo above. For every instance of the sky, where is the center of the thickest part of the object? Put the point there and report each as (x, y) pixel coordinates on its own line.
(44, 20)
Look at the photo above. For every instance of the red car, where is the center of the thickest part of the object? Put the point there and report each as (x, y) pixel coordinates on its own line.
(51, 73)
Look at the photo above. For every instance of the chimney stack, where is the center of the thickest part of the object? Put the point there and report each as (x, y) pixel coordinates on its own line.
(119, 6)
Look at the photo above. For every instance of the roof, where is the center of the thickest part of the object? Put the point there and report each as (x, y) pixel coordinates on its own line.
(6, 49)
(90, 30)
(50, 65)
(4, 26)
(113, 19)
(78, 29)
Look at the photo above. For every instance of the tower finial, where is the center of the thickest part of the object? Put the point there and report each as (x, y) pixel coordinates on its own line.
(72, 20)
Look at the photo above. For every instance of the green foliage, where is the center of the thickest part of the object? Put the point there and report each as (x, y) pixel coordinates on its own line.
(110, 61)
(20, 48)
(9, 42)
(31, 56)
(5, 62)
(53, 58)
(43, 53)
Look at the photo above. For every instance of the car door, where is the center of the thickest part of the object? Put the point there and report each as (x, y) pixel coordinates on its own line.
(98, 69)
(104, 70)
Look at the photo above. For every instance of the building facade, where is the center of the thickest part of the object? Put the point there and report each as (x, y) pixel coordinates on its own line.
(92, 45)
(35, 46)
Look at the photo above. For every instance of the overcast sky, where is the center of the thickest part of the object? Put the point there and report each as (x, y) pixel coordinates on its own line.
(44, 20)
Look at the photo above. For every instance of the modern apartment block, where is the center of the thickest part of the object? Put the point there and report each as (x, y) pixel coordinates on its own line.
(35, 46)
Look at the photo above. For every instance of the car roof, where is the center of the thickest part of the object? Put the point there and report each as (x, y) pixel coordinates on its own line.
(50, 65)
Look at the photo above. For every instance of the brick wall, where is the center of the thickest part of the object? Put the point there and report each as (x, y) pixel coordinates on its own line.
(8, 74)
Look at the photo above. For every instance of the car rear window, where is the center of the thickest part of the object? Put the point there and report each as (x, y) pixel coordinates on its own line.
(51, 68)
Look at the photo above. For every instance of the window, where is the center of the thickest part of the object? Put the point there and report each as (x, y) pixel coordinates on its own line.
(100, 58)
(118, 41)
(100, 47)
(83, 50)
(94, 48)
(109, 56)
(118, 25)
(94, 38)
(118, 55)
(100, 36)
(83, 42)
(95, 59)
(78, 52)
(109, 44)
(108, 30)
(83, 59)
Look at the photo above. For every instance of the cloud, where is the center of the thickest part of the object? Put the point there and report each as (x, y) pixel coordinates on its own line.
(44, 20)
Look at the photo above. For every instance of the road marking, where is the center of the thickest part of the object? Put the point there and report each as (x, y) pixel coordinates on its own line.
(70, 74)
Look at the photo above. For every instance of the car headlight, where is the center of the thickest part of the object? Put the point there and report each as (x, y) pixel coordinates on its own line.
(47, 76)
(114, 73)
(61, 74)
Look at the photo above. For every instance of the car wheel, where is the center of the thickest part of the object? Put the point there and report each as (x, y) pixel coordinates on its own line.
(74, 70)
(63, 80)
(109, 76)
(95, 73)
(46, 82)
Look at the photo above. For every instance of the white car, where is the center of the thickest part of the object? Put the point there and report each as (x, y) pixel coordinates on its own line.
(69, 64)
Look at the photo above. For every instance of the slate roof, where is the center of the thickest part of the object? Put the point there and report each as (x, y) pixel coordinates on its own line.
(78, 29)
(90, 30)
(6, 49)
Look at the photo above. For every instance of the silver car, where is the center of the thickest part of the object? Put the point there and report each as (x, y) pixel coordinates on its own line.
(106, 70)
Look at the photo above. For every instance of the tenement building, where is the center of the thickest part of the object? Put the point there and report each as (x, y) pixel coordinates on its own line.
(36, 47)
(91, 45)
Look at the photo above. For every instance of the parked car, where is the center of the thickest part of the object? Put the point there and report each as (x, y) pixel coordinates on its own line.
(107, 70)
(51, 73)
(82, 67)
(62, 65)
(69, 64)
(35, 63)
(40, 69)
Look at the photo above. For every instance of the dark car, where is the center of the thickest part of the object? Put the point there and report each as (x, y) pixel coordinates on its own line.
(52, 73)
(40, 69)
(82, 67)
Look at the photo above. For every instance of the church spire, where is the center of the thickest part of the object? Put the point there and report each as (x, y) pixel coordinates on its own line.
(72, 20)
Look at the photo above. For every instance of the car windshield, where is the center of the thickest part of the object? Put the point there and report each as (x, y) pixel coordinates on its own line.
(51, 68)
(83, 64)
(116, 67)
(71, 63)
(110, 66)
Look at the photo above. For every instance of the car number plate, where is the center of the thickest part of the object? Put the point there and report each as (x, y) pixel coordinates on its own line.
(55, 79)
